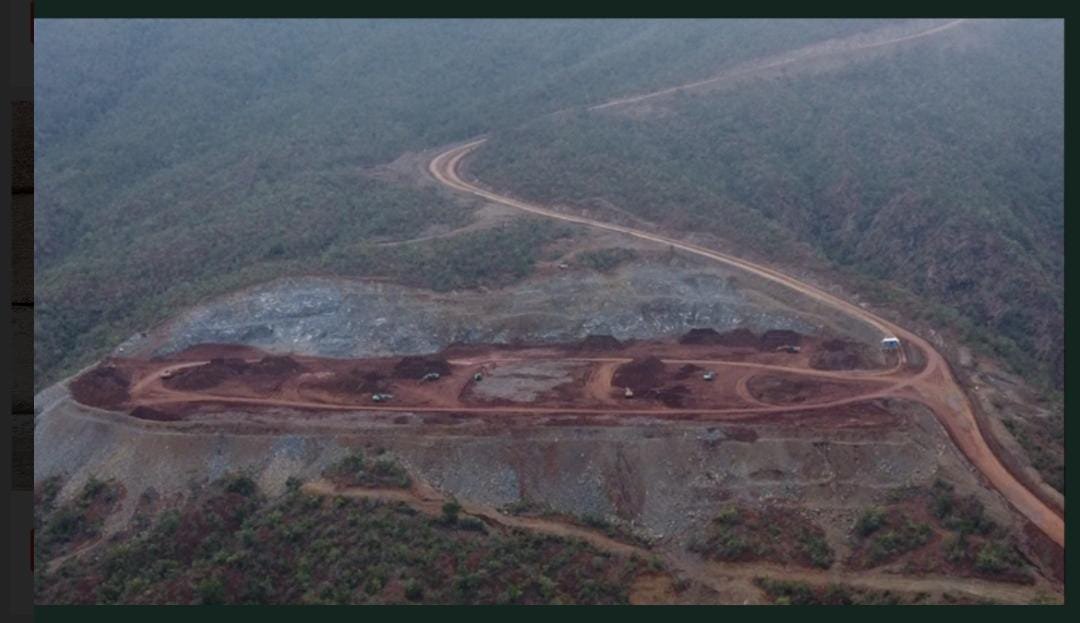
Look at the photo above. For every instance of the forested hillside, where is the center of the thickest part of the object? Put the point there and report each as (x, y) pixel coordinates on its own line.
(180, 159)
(937, 167)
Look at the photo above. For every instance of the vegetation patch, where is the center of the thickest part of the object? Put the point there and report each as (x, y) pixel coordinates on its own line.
(232, 545)
(937, 531)
(65, 528)
(356, 470)
(793, 593)
(774, 534)
(607, 260)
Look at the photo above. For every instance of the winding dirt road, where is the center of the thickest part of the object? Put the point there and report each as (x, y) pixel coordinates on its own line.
(935, 386)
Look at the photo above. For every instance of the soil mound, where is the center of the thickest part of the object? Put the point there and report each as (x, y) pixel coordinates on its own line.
(274, 366)
(416, 366)
(737, 338)
(600, 342)
(208, 375)
(700, 336)
(104, 387)
(640, 375)
(687, 371)
(840, 354)
(775, 338)
(357, 381)
(219, 351)
(146, 413)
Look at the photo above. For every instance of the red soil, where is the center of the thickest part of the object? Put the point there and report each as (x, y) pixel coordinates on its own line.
(840, 354)
(415, 367)
(640, 375)
(104, 386)
(666, 378)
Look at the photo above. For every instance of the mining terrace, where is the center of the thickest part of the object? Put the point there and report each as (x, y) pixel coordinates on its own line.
(703, 375)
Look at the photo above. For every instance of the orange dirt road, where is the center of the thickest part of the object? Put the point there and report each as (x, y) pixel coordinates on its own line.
(934, 386)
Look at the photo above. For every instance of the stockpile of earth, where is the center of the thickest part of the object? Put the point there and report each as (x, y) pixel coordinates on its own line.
(415, 367)
(777, 338)
(640, 375)
(738, 338)
(840, 354)
(600, 343)
(104, 386)
(266, 374)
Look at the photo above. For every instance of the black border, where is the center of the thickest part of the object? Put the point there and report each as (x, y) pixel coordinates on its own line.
(324, 8)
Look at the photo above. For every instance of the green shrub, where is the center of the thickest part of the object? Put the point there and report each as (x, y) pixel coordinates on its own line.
(240, 484)
(605, 260)
(869, 522)
(413, 590)
(956, 549)
(816, 548)
(211, 590)
(728, 516)
(891, 543)
(996, 557)
(450, 511)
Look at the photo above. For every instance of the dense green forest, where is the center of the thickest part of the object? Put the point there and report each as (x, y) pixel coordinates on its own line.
(180, 159)
(937, 168)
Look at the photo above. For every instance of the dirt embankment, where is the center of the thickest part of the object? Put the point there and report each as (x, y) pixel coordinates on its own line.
(105, 387)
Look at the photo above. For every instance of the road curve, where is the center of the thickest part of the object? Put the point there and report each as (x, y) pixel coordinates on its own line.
(935, 386)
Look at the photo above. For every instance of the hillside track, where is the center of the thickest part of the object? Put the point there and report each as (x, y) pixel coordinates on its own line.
(934, 386)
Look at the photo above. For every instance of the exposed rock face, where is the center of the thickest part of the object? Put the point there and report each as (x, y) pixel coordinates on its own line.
(662, 477)
(337, 318)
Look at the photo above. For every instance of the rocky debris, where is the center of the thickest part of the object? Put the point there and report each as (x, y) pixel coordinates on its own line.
(342, 318)
(523, 382)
